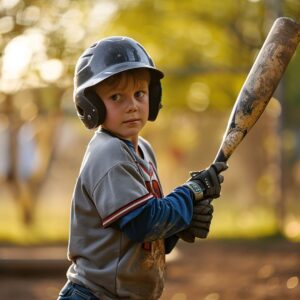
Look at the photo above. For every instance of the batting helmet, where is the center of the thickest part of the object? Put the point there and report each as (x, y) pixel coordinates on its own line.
(102, 60)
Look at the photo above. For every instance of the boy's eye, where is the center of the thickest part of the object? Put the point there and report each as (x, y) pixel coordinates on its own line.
(139, 94)
(115, 97)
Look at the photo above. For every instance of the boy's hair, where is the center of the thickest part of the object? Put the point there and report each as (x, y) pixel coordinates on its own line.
(123, 77)
(103, 60)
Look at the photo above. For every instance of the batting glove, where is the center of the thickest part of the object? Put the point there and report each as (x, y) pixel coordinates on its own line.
(200, 224)
(207, 183)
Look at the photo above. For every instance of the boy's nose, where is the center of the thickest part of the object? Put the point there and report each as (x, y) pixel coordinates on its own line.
(132, 104)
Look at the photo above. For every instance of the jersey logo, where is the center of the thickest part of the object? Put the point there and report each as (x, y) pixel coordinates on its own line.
(151, 181)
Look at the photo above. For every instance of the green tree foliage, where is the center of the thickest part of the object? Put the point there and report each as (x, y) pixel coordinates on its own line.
(208, 44)
(204, 47)
(199, 41)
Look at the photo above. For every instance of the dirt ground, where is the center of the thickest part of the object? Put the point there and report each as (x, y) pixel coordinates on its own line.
(206, 270)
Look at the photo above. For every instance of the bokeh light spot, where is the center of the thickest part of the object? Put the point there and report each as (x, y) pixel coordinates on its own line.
(274, 109)
(292, 229)
(292, 282)
(198, 97)
(265, 271)
(8, 4)
(179, 296)
(6, 24)
(51, 70)
(212, 296)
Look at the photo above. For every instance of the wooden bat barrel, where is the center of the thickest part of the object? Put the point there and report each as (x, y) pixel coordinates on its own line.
(258, 88)
(260, 84)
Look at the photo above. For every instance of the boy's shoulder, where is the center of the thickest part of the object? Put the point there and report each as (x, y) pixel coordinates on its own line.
(104, 152)
(106, 146)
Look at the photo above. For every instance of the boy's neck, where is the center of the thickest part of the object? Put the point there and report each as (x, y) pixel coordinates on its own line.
(135, 148)
(134, 144)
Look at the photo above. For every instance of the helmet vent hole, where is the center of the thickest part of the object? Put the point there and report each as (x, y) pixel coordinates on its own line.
(87, 55)
(80, 110)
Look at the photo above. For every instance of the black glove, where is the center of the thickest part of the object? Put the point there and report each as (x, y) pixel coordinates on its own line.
(207, 183)
(200, 224)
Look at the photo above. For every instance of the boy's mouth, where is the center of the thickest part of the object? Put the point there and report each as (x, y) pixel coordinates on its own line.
(131, 121)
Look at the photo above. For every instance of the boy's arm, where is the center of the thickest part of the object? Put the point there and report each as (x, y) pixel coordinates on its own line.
(163, 218)
(159, 218)
(138, 226)
(199, 227)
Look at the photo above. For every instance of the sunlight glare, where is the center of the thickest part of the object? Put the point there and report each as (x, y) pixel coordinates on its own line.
(51, 70)
(6, 24)
(102, 12)
(29, 15)
(17, 56)
(20, 54)
(292, 229)
(8, 4)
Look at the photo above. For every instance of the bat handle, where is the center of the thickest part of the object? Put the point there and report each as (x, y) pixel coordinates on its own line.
(221, 157)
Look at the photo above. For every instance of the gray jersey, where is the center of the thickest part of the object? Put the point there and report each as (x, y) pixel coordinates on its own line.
(112, 182)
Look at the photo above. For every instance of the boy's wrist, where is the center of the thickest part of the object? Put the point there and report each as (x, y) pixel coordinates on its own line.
(196, 190)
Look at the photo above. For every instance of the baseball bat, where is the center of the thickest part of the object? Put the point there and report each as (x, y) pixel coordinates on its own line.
(258, 88)
(260, 84)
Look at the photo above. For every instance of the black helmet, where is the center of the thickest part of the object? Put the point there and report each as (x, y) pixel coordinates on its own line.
(102, 60)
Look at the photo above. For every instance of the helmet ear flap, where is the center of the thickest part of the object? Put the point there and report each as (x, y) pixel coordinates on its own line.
(155, 94)
(90, 109)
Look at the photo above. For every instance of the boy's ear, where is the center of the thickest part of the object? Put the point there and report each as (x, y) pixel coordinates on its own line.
(90, 108)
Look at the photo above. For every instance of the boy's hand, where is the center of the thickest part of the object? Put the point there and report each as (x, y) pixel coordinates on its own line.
(207, 183)
(201, 220)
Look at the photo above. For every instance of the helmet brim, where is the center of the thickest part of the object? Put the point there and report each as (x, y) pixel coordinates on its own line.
(116, 69)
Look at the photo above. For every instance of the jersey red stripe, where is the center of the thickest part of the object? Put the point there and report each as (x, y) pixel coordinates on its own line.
(125, 209)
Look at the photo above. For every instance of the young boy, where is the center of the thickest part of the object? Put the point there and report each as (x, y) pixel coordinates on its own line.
(121, 224)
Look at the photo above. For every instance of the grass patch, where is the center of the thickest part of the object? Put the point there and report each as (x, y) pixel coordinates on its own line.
(234, 223)
(51, 224)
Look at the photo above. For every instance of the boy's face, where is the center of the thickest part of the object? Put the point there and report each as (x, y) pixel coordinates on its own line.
(126, 99)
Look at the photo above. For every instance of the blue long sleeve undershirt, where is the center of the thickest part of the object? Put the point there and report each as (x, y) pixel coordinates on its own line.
(160, 218)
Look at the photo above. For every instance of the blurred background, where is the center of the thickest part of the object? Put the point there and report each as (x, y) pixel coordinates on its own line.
(206, 49)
